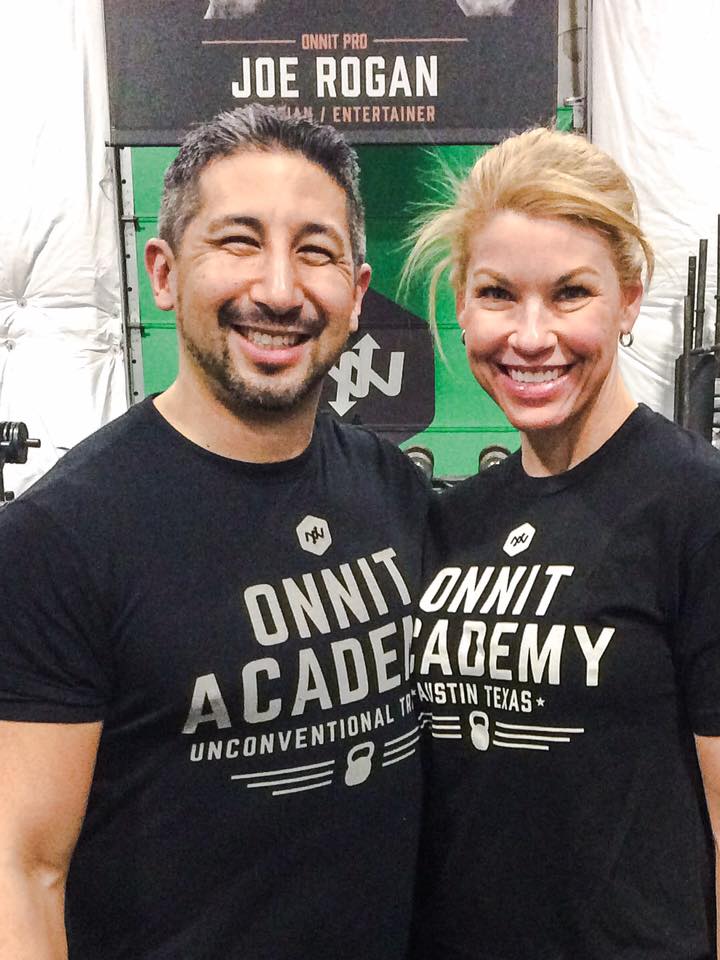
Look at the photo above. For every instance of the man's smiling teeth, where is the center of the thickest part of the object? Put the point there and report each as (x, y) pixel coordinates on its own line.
(522, 375)
(273, 341)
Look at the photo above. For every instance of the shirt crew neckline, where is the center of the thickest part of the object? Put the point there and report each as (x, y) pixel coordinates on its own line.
(543, 486)
(277, 471)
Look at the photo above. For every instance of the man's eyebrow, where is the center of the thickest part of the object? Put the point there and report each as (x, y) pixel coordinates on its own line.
(255, 224)
(324, 229)
(235, 220)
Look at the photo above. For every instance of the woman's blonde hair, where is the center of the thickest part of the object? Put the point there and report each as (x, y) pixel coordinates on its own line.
(541, 173)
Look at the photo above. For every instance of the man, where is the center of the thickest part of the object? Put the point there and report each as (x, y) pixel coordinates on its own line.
(237, 9)
(205, 614)
(230, 9)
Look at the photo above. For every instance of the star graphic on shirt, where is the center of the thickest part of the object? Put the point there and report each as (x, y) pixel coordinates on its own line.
(540, 702)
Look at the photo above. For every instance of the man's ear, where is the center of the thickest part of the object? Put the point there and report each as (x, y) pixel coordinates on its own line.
(362, 282)
(160, 265)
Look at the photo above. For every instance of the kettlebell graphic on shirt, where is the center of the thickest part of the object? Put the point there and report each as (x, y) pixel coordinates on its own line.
(479, 730)
(359, 766)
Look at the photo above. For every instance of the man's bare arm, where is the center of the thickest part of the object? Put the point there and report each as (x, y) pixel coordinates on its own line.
(708, 750)
(45, 775)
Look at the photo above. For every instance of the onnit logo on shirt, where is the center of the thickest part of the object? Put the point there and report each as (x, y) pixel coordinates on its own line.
(313, 534)
(519, 539)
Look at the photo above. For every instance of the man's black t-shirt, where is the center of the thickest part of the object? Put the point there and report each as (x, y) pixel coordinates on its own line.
(570, 648)
(243, 632)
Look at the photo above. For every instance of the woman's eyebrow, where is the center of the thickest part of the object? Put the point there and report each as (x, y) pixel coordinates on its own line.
(573, 273)
(492, 274)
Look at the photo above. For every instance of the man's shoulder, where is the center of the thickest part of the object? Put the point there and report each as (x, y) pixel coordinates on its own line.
(369, 458)
(101, 465)
(354, 441)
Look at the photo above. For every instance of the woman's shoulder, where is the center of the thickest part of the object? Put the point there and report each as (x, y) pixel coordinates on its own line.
(463, 510)
(674, 476)
(674, 452)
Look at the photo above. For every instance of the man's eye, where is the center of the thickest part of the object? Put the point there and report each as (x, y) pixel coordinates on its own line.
(239, 240)
(313, 254)
(573, 292)
(493, 292)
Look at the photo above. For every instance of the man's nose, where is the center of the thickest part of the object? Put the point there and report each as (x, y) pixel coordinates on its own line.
(277, 290)
(533, 333)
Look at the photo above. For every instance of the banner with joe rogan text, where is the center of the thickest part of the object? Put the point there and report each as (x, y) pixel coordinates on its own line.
(382, 71)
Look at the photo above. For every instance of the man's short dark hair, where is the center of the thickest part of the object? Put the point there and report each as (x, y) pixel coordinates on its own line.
(258, 127)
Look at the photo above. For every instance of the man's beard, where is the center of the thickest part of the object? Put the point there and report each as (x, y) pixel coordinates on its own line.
(242, 397)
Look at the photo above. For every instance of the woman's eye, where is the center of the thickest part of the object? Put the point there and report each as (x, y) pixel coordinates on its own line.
(573, 292)
(494, 293)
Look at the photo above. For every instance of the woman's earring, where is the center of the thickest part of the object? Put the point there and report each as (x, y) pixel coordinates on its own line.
(462, 336)
(626, 338)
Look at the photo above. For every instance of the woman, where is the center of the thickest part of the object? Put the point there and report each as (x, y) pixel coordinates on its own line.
(569, 659)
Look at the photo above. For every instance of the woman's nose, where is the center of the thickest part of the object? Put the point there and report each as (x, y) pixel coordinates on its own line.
(533, 332)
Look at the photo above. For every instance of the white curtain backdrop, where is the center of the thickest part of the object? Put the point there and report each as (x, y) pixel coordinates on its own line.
(655, 109)
(61, 361)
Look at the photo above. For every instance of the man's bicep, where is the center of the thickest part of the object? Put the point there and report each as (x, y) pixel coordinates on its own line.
(45, 774)
(56, 656)
(708, 751)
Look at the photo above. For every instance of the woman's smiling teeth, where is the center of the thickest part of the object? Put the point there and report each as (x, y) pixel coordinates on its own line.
(272, 341)
(525, 375)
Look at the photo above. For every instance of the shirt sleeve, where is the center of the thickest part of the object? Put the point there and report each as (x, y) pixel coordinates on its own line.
(54, 662)
(698, 649)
